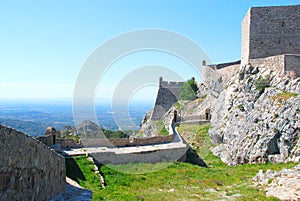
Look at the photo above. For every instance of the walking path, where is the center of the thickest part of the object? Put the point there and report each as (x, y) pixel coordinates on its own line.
(74, 192)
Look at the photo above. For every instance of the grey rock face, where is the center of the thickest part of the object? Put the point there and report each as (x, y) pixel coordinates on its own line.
(284, 184)
(256, 118)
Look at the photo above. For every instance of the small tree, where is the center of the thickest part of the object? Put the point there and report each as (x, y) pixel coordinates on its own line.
(189, 90)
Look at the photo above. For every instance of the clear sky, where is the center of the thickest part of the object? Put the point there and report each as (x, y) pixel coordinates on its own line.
(43, 44)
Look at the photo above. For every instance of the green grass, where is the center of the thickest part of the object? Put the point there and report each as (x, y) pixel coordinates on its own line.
(161, 130)
(173, 181)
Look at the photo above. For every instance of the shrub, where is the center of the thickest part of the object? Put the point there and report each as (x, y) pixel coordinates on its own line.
(189, 90)
(241, 107)
(262, 82)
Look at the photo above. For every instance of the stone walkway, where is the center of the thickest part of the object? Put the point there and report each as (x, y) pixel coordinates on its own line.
(122, 150)
(74, 192)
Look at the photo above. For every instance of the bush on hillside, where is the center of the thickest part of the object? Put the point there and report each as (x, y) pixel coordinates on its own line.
(189, 90)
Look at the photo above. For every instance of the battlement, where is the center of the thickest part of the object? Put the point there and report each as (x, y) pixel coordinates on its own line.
(170, 84)
(167, 95)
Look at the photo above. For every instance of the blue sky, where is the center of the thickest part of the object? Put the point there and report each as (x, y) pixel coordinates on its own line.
(43, 44)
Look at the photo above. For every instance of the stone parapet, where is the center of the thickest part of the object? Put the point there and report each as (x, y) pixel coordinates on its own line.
(29, 170)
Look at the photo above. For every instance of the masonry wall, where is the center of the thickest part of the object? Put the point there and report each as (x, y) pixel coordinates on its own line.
(212, 76)
(167, 95)
(125, 142)
(275, 63)
(163, 155)
(228, 72)
(269, 31)
(292, 65)
(68, 143)
(29, 170)
(245, 43)
(283, 64)
(47, 140)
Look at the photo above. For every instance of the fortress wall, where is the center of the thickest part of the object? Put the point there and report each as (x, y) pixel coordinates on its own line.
(68, 143)
(29, 170)
(155, 156)
(47, 140)
(269, 31)
(275, 63)
(228, 72)
(125, 142)
(245, 44)
(292, 65)
(211, 74)
(167, 95)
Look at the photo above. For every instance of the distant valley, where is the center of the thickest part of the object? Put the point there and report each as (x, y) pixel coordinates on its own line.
(33, 117)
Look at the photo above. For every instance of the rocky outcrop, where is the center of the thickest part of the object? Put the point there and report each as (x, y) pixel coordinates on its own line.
(87, 126)
(256, 118)
(148, 128)
(284, 184)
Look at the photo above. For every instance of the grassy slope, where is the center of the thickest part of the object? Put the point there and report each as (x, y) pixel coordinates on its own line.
(176, 181)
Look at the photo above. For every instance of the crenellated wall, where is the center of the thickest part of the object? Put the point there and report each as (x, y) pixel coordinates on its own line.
(167, 95)
(29, 170)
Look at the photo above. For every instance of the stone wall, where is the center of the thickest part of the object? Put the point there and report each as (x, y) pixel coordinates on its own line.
(29, 170)
(228, 72)
(167, 95)
(68, 143)
(125, 142)
(152, 156)
(47, 140)
(215, 74)
(283, 64)
(275, 63)
(269, 31)
(292, 65)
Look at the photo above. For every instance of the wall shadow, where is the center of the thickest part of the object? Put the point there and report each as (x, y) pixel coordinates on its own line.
(73, 171)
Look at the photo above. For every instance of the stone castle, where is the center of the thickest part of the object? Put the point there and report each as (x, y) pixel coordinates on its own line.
(30, 170)
(270, 37)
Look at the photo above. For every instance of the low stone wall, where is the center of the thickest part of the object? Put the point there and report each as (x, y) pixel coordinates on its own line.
(224, 65)
(153, 156)
(283, 64)
(228, 72)
(47, 140)
(125, 142)
(292, 65)
(275, 63)
(68, 143)
(213, 74)
(29, 170)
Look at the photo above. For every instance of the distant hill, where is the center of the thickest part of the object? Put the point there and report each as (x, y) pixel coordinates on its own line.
(28, 127)
(89, 129)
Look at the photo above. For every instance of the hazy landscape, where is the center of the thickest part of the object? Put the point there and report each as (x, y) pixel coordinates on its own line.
(34, 116)
(128, 100)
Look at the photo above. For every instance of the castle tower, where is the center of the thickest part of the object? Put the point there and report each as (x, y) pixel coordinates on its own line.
(270, 31)
(167, 95)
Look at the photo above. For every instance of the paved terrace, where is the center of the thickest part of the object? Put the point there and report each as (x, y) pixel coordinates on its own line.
(173, 151)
